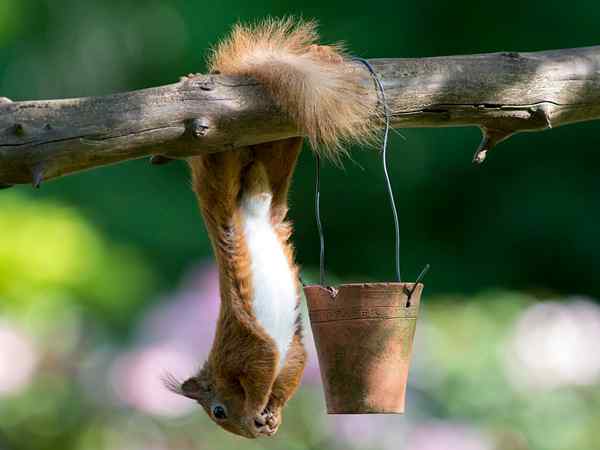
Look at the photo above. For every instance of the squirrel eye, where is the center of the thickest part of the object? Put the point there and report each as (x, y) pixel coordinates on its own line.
(219, 412)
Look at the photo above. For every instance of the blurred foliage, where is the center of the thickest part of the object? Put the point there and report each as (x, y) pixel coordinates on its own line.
(50, 257)
(83, 258)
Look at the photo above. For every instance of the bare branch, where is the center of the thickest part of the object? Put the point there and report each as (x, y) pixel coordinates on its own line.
(502, 93)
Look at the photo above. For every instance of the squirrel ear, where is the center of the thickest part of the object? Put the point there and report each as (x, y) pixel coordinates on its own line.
(191, 388)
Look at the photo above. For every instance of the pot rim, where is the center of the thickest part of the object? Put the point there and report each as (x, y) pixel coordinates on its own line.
(365, 284)
(379, 285)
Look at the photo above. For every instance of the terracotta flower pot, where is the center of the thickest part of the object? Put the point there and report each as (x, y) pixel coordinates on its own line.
(364, 336)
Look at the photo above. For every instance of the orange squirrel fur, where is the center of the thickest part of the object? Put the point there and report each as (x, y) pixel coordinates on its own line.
(245, 382)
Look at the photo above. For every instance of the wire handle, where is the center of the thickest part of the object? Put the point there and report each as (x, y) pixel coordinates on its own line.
(390, 191)
(387, 180)
(410, 292)
(386, 133)
(319, 223)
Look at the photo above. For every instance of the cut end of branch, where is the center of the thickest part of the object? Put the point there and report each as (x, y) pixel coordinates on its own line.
(199, 127)
(38, 177)
(542, 111)
(491, 138)
(480, 155)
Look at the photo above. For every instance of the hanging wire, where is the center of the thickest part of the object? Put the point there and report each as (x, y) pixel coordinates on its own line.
(389, 190)
(386, 133)
(319, 223)
(416, 283)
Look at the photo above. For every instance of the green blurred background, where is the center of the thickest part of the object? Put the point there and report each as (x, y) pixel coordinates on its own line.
(106, 278)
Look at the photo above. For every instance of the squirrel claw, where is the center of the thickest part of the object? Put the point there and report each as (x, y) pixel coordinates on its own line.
(272, 420)
(266, 423)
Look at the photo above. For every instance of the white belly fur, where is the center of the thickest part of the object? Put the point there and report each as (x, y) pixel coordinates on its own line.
(274, 295)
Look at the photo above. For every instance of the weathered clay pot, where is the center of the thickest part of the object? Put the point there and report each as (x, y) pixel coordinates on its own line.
(364, 336)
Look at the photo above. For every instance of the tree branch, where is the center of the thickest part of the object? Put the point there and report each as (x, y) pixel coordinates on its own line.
(502, 93)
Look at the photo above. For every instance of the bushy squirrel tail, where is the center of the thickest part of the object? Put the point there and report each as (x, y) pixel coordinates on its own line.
(325, 95)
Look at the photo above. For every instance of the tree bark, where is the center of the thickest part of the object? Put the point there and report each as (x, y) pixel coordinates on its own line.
(502, 93)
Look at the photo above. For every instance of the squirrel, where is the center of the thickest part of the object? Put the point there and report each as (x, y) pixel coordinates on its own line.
(257, 358)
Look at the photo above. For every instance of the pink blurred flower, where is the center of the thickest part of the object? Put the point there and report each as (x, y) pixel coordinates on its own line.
(447, 436)
(312, 375)
(370, 430)
(18, 359)
(187, 320)
(555, 344)
(136, 379)
(396, 432)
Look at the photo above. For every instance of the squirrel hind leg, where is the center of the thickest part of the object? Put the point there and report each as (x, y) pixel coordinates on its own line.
(279, 159)
(256, 180)
(257, 195)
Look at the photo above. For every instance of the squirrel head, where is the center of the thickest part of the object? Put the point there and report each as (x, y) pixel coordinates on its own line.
(223, 399)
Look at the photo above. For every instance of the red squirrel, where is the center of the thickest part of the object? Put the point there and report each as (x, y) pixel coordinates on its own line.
(257, 357)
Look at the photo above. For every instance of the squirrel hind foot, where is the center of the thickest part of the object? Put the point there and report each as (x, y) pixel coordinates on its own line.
(257, 195)
(256, 179)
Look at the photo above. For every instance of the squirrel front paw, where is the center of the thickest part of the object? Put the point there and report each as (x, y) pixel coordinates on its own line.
(273, 418)
(267, 422)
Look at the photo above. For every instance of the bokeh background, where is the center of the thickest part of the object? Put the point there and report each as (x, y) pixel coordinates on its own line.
(107, 281)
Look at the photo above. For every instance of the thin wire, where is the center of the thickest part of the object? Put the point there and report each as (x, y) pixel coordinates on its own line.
(384, 160)
(319, 223)
(416, 283)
